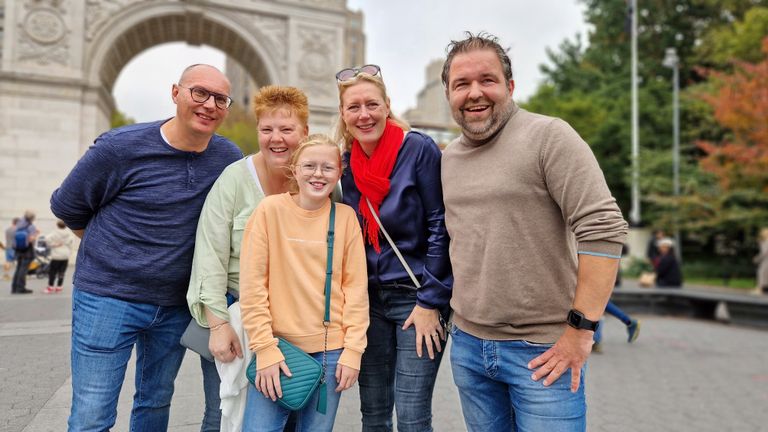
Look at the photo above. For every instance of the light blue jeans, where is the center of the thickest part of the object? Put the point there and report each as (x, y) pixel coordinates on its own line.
(498, 394)
(263, 415)
(104, 332)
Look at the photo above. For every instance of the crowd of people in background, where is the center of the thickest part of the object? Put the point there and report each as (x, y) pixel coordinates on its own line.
(509, 241)
(28, 251)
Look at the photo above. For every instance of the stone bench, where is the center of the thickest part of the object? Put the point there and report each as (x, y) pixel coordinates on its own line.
(736, 308)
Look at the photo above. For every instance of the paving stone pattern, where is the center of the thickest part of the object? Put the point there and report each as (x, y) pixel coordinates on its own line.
(680, 375)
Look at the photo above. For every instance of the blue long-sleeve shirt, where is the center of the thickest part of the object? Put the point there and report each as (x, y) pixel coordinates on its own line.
(414, 217)
(138, 200)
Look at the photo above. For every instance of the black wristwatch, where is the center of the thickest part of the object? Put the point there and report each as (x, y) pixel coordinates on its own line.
(577, 320)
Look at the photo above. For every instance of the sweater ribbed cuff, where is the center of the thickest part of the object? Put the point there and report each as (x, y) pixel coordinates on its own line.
(350, 358)
(268, 356)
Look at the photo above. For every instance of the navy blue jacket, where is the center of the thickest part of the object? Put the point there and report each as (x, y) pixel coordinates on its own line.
(138, 200)
(414, 216)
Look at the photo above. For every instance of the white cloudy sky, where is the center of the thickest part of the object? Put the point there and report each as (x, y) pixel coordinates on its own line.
(403, 36)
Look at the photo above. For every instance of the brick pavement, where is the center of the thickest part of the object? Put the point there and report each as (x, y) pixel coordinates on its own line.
(681, 375)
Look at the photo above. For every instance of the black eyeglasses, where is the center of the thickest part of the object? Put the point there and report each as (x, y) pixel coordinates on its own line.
(349, 73)
(201, 95)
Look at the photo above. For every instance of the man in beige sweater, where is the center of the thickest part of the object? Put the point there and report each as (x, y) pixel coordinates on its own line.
(536, 240)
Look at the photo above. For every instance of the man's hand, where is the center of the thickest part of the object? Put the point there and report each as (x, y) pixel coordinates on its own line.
(345, 376)
(428, 329)
(267, 380)
(224, 344)
(569, 352)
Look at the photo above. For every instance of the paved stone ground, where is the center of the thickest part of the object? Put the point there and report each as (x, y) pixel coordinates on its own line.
(681, 375)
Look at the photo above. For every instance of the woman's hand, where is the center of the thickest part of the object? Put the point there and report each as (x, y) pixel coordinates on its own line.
(224, 344)
(346, 377)
(267, 380)
(428, 329)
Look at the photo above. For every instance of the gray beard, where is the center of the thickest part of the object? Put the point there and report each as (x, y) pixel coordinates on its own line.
(476, 137)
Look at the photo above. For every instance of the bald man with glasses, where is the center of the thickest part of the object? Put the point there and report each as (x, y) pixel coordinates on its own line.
(134, 198)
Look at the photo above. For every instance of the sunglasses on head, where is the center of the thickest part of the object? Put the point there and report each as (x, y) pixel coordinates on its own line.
(349, 73)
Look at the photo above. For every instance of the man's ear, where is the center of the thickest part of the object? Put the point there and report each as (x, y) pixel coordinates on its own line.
(174, 93)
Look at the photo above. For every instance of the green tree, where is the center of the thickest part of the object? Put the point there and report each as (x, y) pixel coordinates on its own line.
(120, 119)
(740, 40)
(588, 85)
(241, 127)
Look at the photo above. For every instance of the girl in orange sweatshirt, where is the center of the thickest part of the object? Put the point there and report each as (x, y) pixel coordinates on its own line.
(282, 289)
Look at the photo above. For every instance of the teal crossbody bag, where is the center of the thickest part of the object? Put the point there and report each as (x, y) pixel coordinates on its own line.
(308, 375)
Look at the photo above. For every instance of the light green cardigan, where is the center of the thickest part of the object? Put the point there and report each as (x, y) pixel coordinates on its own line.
(216, 263)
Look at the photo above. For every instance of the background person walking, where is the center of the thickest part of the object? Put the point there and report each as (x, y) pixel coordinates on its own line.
(60, 241)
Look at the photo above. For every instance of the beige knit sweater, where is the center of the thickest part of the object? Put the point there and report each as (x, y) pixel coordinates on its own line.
(518, 210)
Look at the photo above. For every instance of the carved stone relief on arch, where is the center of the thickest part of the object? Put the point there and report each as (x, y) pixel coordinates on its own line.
(316, 61)
(275, 30)
(42, 36)
(98, 12)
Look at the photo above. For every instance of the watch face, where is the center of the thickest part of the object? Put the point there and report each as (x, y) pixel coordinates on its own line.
(577, 320)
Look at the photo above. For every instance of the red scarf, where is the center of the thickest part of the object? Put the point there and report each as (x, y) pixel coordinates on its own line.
(372, 176)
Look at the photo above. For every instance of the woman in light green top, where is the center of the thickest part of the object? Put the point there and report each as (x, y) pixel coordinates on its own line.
(282, 114)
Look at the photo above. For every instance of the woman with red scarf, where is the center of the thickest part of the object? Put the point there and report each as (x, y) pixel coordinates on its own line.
(393, 174)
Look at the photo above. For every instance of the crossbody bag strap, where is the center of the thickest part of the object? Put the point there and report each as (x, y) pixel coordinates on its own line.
(322, 399)
(392, 244)
(329, 264)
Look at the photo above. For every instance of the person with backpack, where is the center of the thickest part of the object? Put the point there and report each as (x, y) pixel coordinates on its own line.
(24, 241)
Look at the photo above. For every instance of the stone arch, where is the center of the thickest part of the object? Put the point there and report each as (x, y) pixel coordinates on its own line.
(139, 27)
(60, 61)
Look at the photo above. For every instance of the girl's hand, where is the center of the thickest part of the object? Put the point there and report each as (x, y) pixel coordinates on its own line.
(346, 377)
(267, 380)
(428, 329)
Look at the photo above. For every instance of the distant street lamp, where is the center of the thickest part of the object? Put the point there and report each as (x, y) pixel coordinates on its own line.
(671, 60)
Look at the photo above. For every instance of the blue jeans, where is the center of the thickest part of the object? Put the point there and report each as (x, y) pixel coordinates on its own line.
(211, 383)
(212, 414)
(104, 331)
(23, 261)
(498, 394)
(611, 309)
(391, 374)
(263, 415)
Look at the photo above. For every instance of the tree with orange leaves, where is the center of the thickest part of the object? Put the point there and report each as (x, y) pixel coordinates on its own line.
(731, 194)
(740, 105)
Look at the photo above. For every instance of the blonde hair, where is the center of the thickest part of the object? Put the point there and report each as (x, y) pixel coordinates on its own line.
(313, 140)
(763, 236)
(272, 98)
(341, 133)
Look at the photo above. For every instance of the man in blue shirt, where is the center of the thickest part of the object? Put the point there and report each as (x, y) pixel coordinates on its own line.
(24, 254)
(134, 198)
